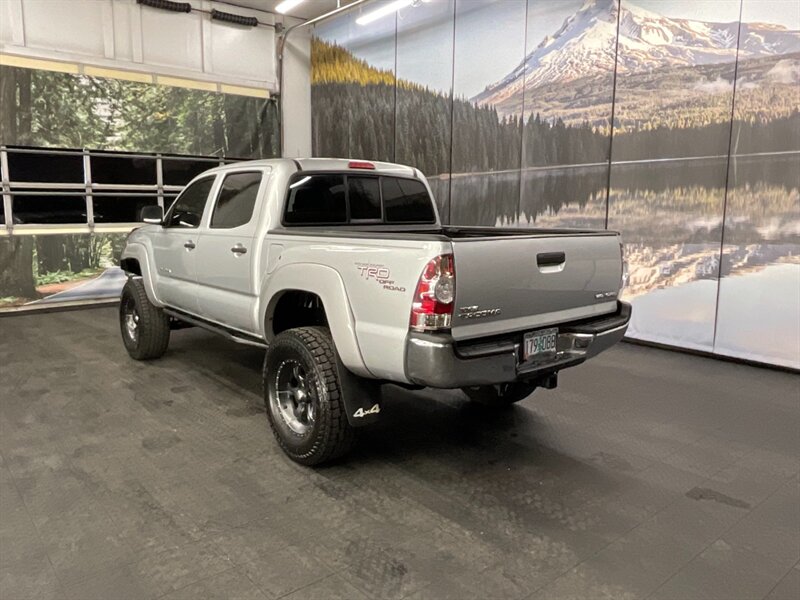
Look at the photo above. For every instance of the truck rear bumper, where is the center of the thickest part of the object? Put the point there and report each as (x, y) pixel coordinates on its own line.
(437, 360)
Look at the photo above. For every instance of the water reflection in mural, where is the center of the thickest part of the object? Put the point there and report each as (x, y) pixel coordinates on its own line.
(564, 197)
(671, 216)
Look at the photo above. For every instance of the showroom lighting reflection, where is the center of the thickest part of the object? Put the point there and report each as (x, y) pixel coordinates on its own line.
(384, 10)
(301, 182)
(288, 5)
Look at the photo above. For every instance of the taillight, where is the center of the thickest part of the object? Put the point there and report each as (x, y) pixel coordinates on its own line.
(435, 294)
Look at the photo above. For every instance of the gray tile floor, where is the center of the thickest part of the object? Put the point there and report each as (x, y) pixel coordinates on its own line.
(647, 474)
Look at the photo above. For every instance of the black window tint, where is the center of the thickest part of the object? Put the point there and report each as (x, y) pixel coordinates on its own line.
(236, 200)
(121, 169)
(188, 208)
(365, 198)
(316, 199)
(406, 201)
(45, 168)
(121, 209)
(68, 208)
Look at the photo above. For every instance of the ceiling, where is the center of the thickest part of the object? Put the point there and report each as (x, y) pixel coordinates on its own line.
(306, 10)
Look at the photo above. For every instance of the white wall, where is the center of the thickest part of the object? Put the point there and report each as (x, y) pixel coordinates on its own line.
(123, 34)
(296, 97)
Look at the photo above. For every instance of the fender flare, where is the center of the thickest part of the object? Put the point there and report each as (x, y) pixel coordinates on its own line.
(139, 253)
(326, 283)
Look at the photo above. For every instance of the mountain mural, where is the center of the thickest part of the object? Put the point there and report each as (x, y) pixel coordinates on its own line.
(699, 169)
(586, 44)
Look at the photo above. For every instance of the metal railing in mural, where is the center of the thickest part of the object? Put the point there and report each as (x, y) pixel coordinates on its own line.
(60, 191)
(66, 214)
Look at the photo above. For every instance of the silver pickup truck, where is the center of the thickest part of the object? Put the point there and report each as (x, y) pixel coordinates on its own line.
(343, 272)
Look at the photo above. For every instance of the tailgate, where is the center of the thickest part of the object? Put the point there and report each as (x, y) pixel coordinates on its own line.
(523, 282)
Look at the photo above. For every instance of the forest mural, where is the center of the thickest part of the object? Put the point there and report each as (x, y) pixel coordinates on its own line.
(63, 110)
(46, 109)
(676, 122)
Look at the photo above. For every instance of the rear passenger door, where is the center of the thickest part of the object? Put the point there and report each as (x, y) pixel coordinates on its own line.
(226, 248)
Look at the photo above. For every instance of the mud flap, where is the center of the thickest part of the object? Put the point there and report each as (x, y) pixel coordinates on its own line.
(362, 397)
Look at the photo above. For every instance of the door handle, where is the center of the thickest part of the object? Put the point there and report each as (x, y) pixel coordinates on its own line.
(550, 259)
(190, 245)
(239, 249)
(551, 262)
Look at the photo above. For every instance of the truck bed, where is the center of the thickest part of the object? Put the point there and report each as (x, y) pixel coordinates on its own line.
(511, 279)
(434, 232)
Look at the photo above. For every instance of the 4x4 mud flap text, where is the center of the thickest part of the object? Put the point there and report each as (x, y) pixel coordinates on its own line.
(362, 397)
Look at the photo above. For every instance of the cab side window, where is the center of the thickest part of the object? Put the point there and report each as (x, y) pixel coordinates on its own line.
(406, 201)
(236, 200)
(188, 209)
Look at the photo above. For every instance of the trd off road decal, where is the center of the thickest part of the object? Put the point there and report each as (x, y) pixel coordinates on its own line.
(379, 273)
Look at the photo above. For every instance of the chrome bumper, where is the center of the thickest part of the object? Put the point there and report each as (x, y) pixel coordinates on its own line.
(437, 360)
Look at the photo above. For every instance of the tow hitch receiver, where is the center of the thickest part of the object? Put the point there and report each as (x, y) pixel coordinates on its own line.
(549, 382)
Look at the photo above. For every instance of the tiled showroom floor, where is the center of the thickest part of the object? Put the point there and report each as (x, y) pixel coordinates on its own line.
(646, 474)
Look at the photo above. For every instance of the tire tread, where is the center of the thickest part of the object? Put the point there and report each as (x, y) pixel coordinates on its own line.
(337, 436)
(154, 328)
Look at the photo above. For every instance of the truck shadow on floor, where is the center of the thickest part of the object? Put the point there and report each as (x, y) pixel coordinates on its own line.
(432, 448)
(413, 424)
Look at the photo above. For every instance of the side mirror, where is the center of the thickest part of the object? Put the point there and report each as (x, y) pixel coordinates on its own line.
(153, 214)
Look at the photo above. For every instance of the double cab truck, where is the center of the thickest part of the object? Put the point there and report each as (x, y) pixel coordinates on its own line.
(343, 272)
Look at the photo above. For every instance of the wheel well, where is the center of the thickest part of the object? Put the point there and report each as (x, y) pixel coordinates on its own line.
(131, 265)
(297, 308)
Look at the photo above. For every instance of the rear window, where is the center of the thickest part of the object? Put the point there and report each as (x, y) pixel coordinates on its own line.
(364, 195)
(316, 199)
(337, 198)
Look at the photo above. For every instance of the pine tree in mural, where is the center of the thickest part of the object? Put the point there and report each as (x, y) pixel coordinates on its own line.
(43, 108)
(350, 96)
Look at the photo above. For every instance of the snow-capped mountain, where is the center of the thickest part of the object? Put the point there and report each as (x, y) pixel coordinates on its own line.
(585, 45)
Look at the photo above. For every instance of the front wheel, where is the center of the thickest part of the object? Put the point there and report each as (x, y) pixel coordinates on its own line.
(144, 326)
(304, 396)
(503, 394)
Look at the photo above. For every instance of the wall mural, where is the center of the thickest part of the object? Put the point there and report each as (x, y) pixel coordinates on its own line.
(50, 109)
(424, 68)
(341, 81)
(673, 101)
(45, 269)
(47, 109)
(694, 154)
(758, 314)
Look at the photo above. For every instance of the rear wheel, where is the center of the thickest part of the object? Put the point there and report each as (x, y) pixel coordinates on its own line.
(304, 396)
(503, 394)
(144, 326)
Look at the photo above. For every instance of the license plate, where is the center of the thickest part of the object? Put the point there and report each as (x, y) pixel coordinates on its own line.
(538, 345)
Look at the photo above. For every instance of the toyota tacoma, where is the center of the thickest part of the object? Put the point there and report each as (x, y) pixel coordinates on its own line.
(343, 272)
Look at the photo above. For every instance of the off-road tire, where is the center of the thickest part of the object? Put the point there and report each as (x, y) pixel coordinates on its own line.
(331, 435)
(153, 325)
(498, 396)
